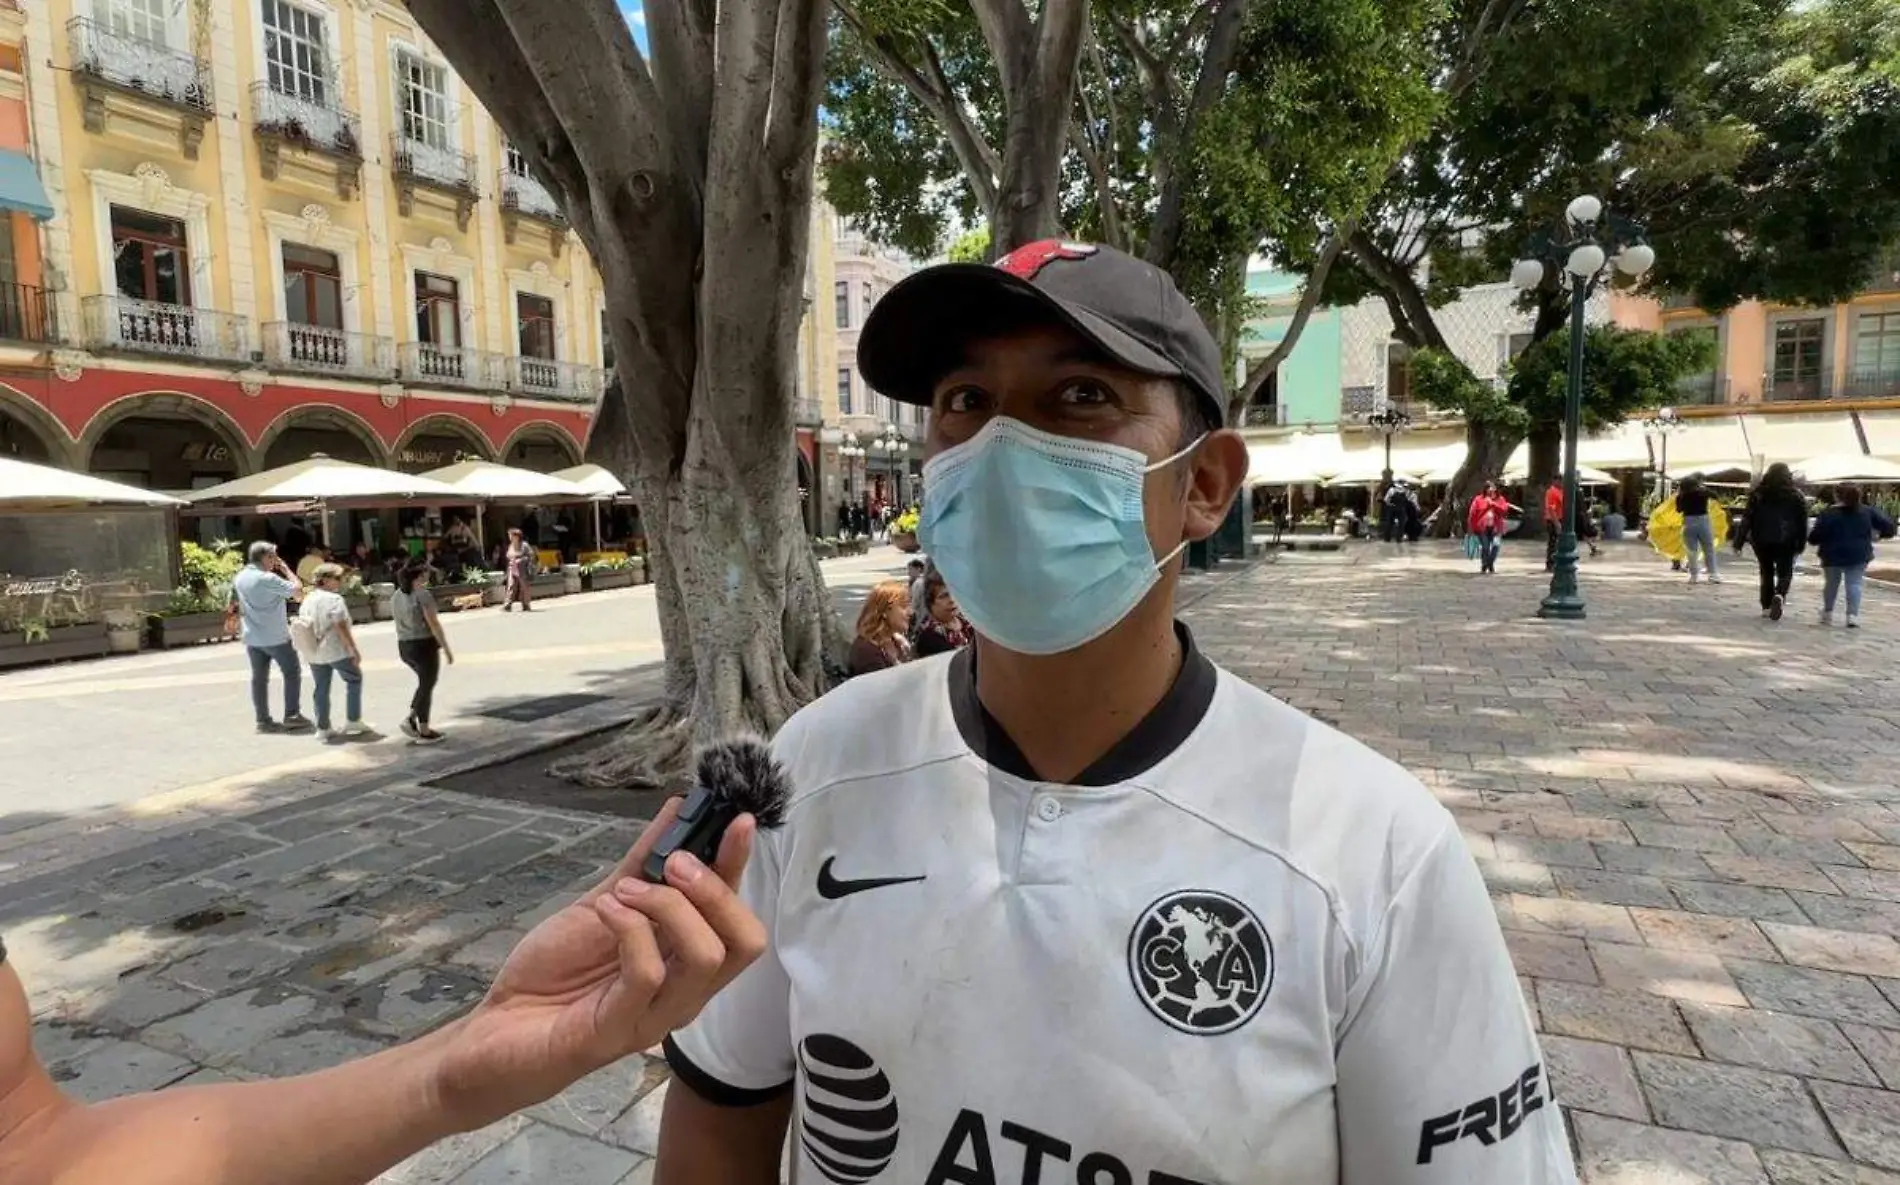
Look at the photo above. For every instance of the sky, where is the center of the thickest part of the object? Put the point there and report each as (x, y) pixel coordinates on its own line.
(637, 21)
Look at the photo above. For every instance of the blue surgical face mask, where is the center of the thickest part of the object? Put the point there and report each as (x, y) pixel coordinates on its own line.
(1040, 537)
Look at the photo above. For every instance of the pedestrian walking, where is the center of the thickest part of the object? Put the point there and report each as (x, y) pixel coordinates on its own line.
(1485, 523)
(914, 573)
(1698, 528)
(519, 556)
(1776, 523)
(1074, 894)
(423, 646)
(1392, 512)
(1843, 537)
(325, 625)
(1553, 521)
(262, 595)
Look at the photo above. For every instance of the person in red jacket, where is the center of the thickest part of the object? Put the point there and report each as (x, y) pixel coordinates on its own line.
(1553, 520)
(1486, 520)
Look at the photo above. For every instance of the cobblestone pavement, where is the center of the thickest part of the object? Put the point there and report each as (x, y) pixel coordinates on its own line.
(1687, 816)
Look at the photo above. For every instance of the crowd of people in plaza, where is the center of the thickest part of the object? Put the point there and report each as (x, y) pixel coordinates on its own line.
(286, 620)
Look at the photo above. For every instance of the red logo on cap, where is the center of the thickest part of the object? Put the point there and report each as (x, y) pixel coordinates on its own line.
(1027, 260)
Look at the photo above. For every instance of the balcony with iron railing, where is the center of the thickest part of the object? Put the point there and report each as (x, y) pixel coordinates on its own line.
(1872, 382)
(1358, 401)
(522, 194)
(28, 314)
(141, 67)
(548, 378)
(318, 349)
(414, 159)
(1263, 415)
(449, 366)
(307, 123)
(1805, 389)
(176, 330)
(1701, 390)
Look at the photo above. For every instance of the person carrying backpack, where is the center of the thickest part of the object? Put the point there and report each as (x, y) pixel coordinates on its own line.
(1776, 522)
(1844, 538)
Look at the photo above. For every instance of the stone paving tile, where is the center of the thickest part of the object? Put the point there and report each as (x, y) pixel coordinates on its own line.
(1872, 883)
(1672, 928)
(1769, 873)
(591, 1104)
(1837, 912)
(1867, 1120)
(638, 1128)
(1668, 862)
(1551, 956)
(1617, 1152)
(1529, 849)
(1771, 1041)
(1836, 950)
(1717, 1100)
(1518, 877)
(1805, 991)
(1881, 1048)
(1636, 1019)
(1574, 827)
(1798, 1168)
(1684, 838)
(1876, 855)
(119, 1067)
(543, 1155)
(1579, 919)
(448, 1159)
(1738, 901)
(1681, 974)
(1593, 1076)
(1614, 888)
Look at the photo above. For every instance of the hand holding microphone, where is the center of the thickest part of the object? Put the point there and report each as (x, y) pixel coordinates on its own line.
(632, 960)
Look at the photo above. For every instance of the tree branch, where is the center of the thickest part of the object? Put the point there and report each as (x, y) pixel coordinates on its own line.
(1006, 30)
(930, 85)
(1080, 136)
(680, 45)
(1302, 313)
(1400, 288)
(798, 76)
(1217, 62)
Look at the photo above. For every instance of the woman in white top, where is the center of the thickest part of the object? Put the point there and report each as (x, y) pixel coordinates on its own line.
(327, 617)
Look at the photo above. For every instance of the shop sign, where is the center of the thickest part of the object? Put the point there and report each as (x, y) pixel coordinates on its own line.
(203, 451)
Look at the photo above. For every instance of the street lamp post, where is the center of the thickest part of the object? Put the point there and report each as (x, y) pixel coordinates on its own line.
(1391, 421)
(853, 453)
(1578, 251)
(1660, 426)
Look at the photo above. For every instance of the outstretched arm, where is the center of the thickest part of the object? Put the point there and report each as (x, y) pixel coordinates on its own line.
(608, 976)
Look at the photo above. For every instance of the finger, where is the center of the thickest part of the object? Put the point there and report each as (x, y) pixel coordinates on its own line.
(740, 931)
(642, 972)
(696, 957)
(630, 863)
(735, 849)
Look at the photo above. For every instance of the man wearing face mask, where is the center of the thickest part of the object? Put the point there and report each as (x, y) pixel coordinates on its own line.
(1088, 908)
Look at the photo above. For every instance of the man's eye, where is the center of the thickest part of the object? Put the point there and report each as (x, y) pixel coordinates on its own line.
(964, 399)
(1085, 393)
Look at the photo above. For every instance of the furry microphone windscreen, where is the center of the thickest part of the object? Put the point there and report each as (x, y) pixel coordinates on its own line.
(741, 771)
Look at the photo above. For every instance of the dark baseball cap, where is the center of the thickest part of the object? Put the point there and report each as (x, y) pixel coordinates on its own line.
(1128, 309)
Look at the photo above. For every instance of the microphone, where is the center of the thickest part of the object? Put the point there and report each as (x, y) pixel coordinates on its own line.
(732, 778)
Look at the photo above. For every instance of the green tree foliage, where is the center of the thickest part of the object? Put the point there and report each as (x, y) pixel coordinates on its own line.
(1441, 379)
(1624, 370)
(972, 246)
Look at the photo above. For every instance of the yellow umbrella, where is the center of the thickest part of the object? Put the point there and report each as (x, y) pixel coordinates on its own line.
(1665, 528)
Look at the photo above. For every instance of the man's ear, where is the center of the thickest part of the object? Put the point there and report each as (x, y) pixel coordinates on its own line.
(1219, 467)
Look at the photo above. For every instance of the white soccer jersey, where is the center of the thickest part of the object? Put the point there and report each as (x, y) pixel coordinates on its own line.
(1243, 950)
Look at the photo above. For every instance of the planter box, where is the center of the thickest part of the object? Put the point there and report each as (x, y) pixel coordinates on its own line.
(187, 629)
(445, 595)
(597, 581)
(548, 586)
(637, 571)
(61, 642)
(904, 541)
(361, 612)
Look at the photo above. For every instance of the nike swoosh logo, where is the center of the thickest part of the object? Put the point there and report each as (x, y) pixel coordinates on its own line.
(831, 888)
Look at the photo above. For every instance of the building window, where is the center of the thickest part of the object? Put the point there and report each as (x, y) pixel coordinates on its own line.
(1398, 372)
(1877, 346)
(534, 317)
(1516, 344)
(842, 293)
(606, 343)
(1702, 386)
(149, 258)
(1798, 351)
(145, 20)
(438, 311)
(870, 297)
(844, 390)
(424, 89)
(313, 287)
(296, 59)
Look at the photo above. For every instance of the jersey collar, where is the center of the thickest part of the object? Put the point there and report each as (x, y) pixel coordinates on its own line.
(1158, 735)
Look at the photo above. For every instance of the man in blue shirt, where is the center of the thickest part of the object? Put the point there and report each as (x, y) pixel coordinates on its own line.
(262, 593)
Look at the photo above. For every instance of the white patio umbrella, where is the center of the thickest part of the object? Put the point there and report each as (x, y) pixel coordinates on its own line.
(25, 486)
(598, 481)
(322, 483)
(1586, 476)
(1837, 467)
(490, 481)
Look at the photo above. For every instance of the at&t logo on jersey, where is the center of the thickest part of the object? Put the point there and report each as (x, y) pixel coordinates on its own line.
(848, 1120)
(1201, 961)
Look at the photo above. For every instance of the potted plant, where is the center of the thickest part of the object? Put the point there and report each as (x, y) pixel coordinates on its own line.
(904, 530)
(356, 596)
(607, 572)
(125, 631)
(48, 620)
(382, 600)
(824, 547)
(548, 584)
(187, 618)
(571, 578)
(495, 590)
(636, 569)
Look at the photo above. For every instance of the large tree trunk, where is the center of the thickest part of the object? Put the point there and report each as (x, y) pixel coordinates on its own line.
(1546, 435)
(1037, 57)
(690, 184)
